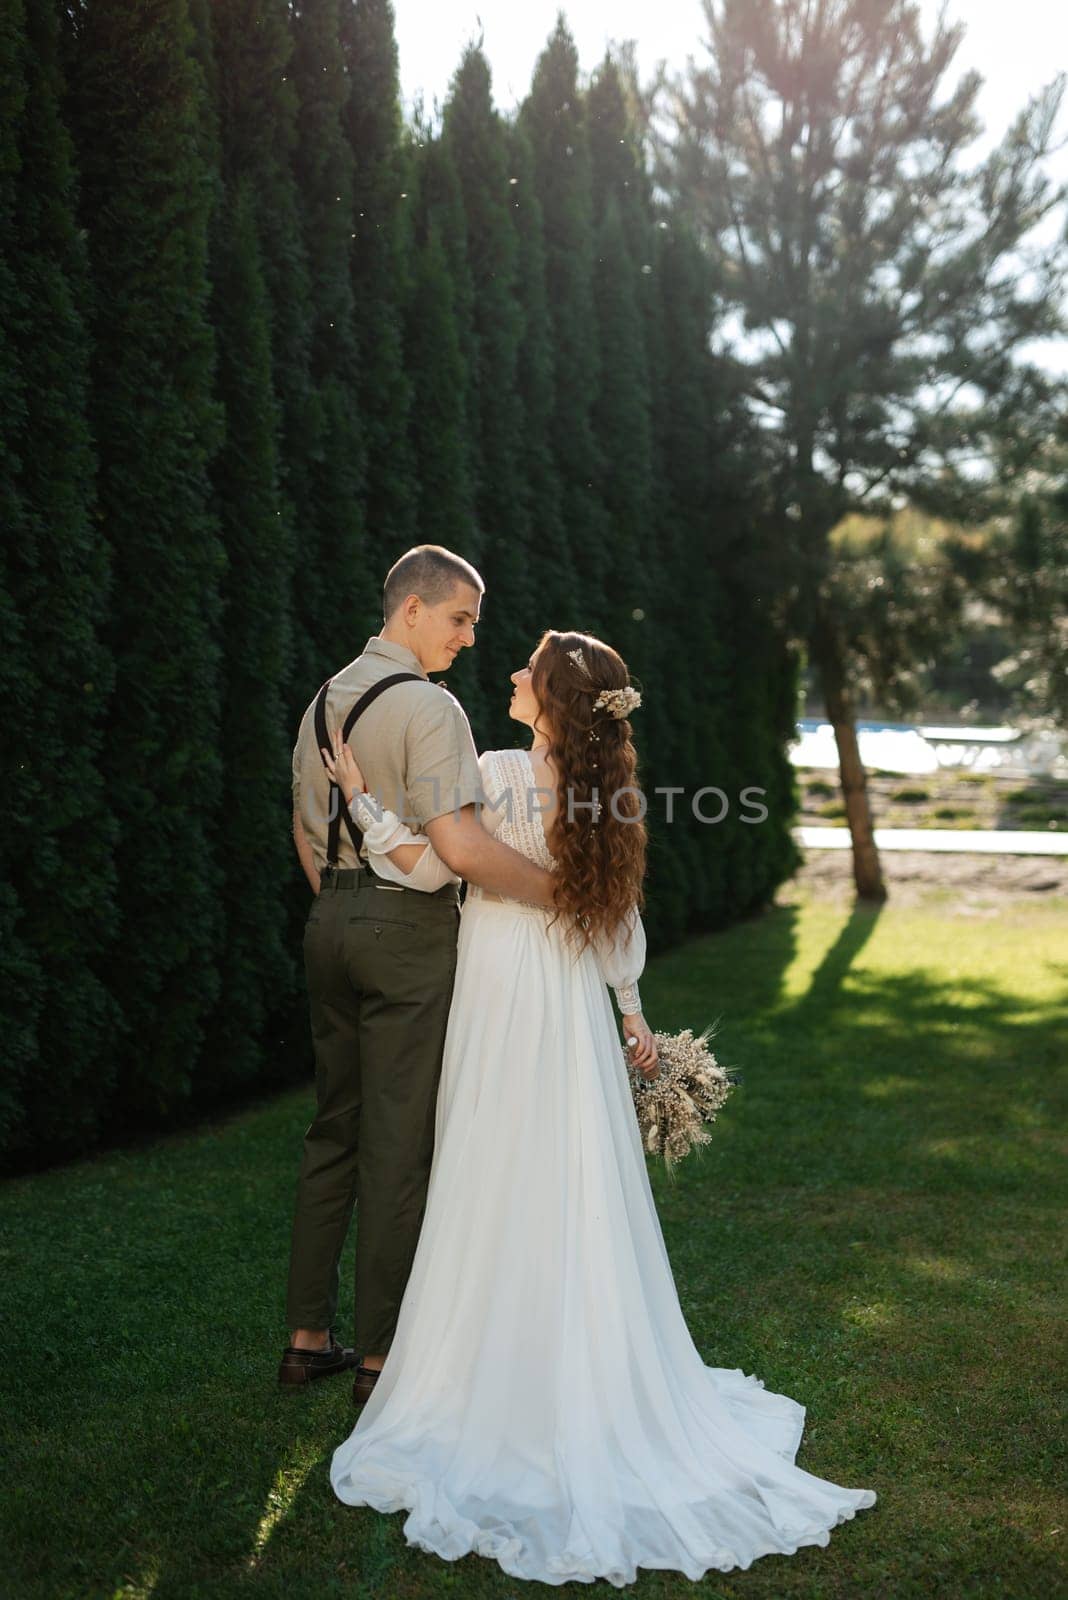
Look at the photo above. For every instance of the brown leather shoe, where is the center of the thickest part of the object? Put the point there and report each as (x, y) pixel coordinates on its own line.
(363, 1387)
(301, 1367)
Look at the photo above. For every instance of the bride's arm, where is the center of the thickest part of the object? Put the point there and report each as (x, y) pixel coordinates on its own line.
(384, 834)
(622, 961)
(410, 855)
(413, 854)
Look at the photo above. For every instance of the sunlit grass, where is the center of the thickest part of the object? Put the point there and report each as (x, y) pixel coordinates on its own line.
(876, 1230)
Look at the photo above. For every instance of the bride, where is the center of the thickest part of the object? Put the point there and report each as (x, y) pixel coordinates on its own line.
(542, 1402)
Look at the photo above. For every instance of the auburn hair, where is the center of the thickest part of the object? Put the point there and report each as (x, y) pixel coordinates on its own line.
(597, 836)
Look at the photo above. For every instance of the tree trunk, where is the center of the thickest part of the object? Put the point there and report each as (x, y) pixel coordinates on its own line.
(867, 872)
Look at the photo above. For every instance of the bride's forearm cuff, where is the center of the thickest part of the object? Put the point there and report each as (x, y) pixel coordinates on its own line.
(368, 813)
(628, 1000)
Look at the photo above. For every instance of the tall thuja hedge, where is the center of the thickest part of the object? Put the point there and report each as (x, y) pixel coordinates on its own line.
(257, 106)
(435, 344)
(260, 977)
(256, 854)
(380, 266)
(22, 979)
(552, 569)
(477, 145)
(762, 686)
(687, 560)
(554, 118)
(61, 832)
(439, 356)
(622, 420)
(146, 193)
(739, 681)
(57, 907)
(343, 605)
(278, 596)
(760, 682)
(298, 342)
(644, 618)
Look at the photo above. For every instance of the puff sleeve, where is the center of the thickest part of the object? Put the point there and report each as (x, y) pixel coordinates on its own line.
(622, 961)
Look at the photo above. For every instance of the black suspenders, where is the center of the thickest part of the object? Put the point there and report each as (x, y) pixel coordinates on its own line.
(337, 808)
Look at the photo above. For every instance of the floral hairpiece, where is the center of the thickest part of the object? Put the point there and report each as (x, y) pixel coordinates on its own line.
(580, 661)
(620, 702)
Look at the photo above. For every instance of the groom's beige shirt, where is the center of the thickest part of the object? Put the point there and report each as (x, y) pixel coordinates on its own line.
(413, 744)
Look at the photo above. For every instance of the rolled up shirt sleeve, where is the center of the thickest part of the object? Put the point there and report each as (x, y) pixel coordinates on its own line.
(441, 763)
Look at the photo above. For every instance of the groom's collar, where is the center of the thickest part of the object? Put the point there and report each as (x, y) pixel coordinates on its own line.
(400, 653)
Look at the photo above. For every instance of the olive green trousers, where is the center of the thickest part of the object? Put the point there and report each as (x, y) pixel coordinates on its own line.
(380, 963)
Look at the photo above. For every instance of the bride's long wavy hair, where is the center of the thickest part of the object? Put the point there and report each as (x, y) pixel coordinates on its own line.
(600, 863)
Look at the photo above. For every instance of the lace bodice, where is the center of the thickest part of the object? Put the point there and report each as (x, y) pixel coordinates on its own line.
(513, 813)
(513, 801)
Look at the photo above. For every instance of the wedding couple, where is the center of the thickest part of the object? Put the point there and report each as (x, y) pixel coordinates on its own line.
(531, 1389)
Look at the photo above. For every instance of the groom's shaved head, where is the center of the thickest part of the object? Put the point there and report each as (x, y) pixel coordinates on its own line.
(431, 572)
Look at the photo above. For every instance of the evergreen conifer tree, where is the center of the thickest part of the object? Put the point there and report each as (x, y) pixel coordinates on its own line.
(347, 588)
(552, 569)
(380, 266)
(257, 856)
(258, 103)
(554, 118)
(137, 111)
(21, 977)
(439, 351)
(621, 412)
(477, 144)
(60, 835)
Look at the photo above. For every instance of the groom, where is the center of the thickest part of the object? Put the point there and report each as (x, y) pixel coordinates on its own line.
(380, 961)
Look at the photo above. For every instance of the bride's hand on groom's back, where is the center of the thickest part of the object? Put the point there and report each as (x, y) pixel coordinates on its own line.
(643, 1051)
(343, 768)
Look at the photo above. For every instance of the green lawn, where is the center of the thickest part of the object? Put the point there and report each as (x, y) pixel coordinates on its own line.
(876, 1230)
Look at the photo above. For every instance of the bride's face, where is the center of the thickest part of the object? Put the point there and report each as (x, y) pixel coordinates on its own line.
(524, 705)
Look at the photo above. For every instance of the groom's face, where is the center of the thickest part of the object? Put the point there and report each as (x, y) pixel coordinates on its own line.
(448, 627)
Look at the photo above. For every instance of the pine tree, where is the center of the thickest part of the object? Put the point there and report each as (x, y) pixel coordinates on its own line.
(887, 291)
(59, 833)
(137, 110)
(380, 265)
(554, 118)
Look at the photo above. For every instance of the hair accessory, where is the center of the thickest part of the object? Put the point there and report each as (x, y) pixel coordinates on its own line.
(620, 702)
(580, 661)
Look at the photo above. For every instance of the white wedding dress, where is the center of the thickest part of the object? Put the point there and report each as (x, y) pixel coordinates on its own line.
(543, 1403)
